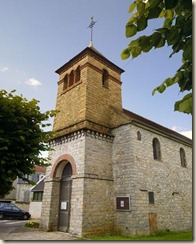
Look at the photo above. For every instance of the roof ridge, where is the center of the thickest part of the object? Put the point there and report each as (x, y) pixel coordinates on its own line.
(150, 123)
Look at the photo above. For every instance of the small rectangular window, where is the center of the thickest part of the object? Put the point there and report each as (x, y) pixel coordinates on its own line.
(37, 196)
(151, 197)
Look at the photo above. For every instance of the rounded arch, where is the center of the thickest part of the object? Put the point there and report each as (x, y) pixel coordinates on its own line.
(59, 165)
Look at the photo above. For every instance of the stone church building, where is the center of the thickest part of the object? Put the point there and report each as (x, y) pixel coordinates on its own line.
(111, 169)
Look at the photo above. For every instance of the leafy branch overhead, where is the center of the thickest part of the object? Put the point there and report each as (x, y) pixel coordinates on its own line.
(23, 137)
(175, 32)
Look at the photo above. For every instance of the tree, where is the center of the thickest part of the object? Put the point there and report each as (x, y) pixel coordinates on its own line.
(175, 32)
(22, 138)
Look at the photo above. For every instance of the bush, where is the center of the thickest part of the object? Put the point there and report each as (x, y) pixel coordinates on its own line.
(32, 224)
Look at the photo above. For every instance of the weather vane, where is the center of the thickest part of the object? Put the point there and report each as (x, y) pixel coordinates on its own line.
(91, 26)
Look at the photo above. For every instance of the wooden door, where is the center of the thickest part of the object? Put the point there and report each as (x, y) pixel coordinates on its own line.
(152, 222)
(65, 199)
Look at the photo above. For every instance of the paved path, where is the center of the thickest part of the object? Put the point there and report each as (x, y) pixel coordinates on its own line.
(33, 234)
(25, 233)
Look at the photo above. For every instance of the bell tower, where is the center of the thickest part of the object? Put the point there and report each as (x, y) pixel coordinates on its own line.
(90, 106)
(89, 94)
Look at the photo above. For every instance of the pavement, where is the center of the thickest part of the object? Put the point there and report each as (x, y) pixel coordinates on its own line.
(25, 233)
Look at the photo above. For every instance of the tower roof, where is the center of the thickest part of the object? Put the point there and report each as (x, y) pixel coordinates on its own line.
(91, 51)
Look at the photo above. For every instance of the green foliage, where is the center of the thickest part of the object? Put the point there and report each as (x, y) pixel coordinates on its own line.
(32, 224)
(175, 32)
(22, 138)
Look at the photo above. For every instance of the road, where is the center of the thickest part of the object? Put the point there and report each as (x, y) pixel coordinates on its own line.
(10, 226)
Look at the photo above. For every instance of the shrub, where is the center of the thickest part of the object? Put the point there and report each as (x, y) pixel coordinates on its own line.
(32, 224)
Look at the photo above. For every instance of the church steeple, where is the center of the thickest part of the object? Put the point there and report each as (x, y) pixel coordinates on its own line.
(89, 94)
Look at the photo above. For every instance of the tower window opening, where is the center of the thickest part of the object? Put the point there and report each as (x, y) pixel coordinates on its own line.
(105, 78)
(77, 75)
(71, 78)
(65, 82)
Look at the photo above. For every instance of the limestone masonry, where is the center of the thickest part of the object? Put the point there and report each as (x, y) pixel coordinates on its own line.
(112, 170)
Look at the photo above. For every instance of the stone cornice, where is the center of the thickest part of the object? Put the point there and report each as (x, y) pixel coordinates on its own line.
(81, 133)
(93, 53)
(92, 176)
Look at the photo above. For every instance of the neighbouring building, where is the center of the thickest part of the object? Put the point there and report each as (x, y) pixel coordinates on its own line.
(22, 189)
(111, 169)
(35, 206)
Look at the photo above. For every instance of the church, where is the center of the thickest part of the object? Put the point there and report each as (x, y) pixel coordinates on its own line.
(111, 169)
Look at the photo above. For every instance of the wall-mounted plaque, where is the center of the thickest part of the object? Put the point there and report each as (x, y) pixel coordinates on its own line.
(63, 205)
(123, 203)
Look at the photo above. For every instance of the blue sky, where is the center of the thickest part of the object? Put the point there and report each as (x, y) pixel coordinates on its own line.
(39, 36)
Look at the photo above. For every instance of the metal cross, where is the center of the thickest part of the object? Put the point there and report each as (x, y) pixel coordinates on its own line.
(91, 26)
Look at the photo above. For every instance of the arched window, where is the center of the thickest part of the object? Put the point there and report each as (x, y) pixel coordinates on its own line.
(65, 82)
(156, 149)
(139, 135)
(71, 78)
(105, 78)
(77, 76)
(182, 157)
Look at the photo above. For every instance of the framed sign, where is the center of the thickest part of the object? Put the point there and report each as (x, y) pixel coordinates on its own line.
(123, 203)
(63, 205)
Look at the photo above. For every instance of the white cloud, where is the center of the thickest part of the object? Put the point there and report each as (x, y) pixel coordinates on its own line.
(33, 82)
(4, 69)
(187, 134)
(182, 131)
(177, 128)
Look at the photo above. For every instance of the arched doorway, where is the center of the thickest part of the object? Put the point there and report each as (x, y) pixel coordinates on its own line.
(65, 198)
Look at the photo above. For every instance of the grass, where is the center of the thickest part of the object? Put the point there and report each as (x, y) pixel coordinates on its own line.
(158, 236)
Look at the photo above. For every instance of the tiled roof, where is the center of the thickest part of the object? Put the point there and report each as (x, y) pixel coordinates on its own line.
(40, 169)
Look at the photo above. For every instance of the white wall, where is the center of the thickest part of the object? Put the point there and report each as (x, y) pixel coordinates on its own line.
(35, 209)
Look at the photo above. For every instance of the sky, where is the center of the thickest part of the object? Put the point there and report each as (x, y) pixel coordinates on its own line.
(39, 36)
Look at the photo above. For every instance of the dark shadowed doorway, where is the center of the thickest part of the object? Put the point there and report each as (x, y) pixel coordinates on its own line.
(65, 199)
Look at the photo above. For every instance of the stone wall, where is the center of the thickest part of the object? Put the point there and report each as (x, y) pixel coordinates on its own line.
(92, 184)
(98, 185)
(136, 173)
(50, 205)
(49, 219)
(98, 213)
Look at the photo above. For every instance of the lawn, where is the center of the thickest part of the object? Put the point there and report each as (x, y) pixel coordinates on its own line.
(159, 236)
